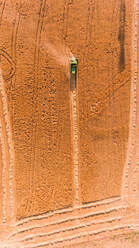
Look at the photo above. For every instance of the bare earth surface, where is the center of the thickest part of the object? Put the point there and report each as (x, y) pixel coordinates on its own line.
(127, 240)
(69, 161)
(38, 38)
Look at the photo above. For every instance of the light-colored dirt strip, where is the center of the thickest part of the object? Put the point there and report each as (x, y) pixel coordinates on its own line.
(133, 174)
(1, 194)
(68, 220)
(93, 218)
(8, 158)
(77, 237)
(129, 163)
(4, 176)
(134, 167)
(74, 238)
(72, 211)
(75, 145)
(135, 178)
(67, 229)
(79, 232)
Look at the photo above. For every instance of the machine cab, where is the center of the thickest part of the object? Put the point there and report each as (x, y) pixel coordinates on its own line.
(73, 72)
(74, 63)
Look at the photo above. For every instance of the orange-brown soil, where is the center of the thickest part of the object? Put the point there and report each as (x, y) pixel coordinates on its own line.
(1, 196)
(127, 240)
(69, 160)
(36, 39)
(38, 95)
(104, 99)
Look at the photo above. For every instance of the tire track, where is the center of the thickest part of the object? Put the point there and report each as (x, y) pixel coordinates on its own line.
(65, 17)
(7, 146)
(68, 229)
(121, 36)
(13, 55)
(8, 156)
(79, 214)
(114, 86)
(126, 191)
(78, 236)
(133, 179)
(35, 97)
(69, 210)
(3, 7)
(75, 145)
(3, 162)
(13, 82)
(74, 122)
(73, 117)
(136, 169)
(89, 26)
(4, 175)
(91, 6)
(86, 220)
(13, 46)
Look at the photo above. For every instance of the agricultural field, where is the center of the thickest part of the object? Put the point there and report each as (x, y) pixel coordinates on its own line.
(69, 163)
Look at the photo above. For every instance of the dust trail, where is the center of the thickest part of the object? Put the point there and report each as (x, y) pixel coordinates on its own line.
(62, 55)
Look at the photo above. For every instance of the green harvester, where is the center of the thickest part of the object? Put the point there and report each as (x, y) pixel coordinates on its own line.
(73, 73)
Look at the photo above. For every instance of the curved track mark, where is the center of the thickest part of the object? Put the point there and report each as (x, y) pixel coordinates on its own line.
(9, 59)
